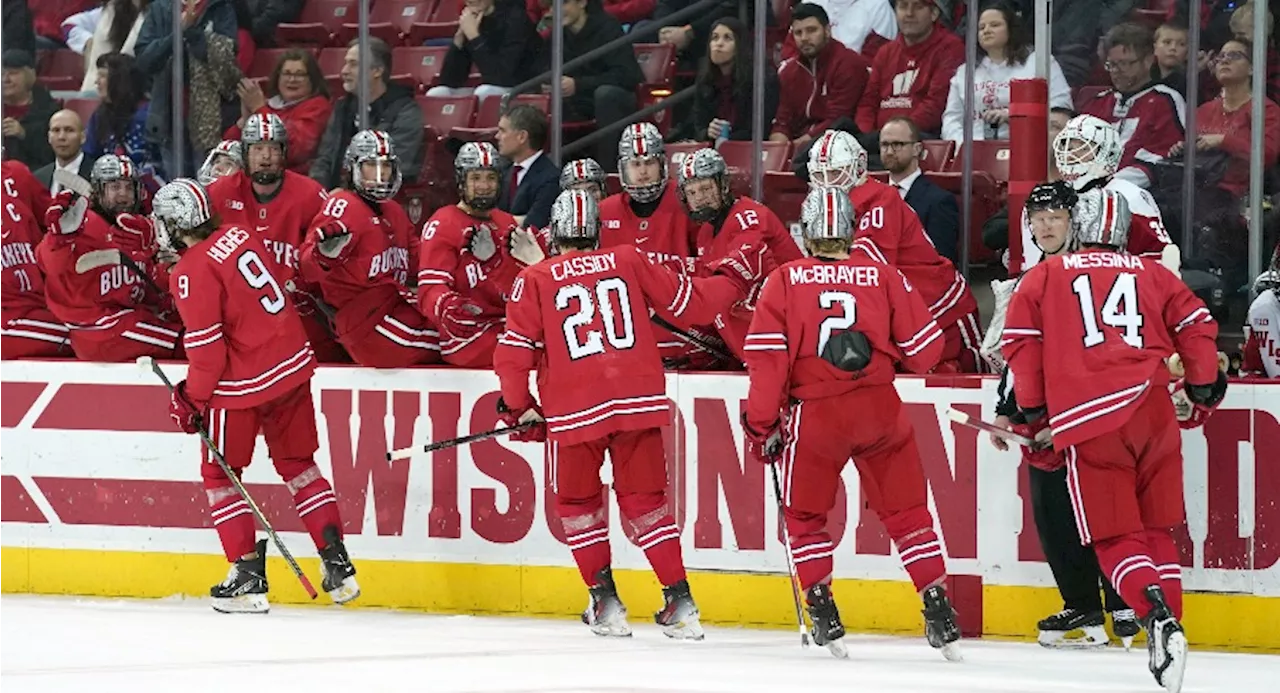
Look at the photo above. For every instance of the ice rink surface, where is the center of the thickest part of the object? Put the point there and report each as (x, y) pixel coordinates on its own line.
(53, 644)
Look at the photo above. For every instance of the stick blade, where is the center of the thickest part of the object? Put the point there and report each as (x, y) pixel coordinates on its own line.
(146, 363)
(957, 416)
(94, 259)
(73, 182)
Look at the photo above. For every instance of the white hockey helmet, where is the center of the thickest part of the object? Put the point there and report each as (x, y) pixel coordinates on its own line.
(836, 159)
(264, 128)
(179, 207)
(1087, 149)
(827, 212)
(642, 141)
(699, 164)
(367, 146)
(476, 156)
(1269, 280)
(580, 171)
(223, 160)
(575, 215)
(1101, 217)
(113, 167)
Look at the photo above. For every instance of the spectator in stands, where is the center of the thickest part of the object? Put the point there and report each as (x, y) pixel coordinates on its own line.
(820, 88)
(18, 31)
(1171, 55)
(1242, 28)
(531, 183)
(627, 12)
(66, 138)
(723, 100)
(604, 89)
(117, 32)
(1150, 115)
(861, 25)
(1004, 54)
(77, 30)
(47, 17)
(690, 38)
(119, 125)
(266, 16)
(391, 110)
(496, 37)
(900, 150)
(209, 31)
(27, 108)
(908, 73)
(299, 95)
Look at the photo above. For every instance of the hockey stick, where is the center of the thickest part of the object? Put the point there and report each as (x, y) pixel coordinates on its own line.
(791, 563)
(695, 340)
(972, 422)
(99, 258)
(148, 363)
(453, 442)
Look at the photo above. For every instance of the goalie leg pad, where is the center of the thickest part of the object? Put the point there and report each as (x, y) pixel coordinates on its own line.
(849, 351)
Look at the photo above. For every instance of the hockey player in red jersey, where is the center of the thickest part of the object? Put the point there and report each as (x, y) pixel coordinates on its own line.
(582, 319)
(647, 213)
(360, 252)
(812, 360)
(898, 238)
(584, 174)
(223, 160)
(278, 204)
(114, 314)
(465, 266)
(19, 183)
(27, 328)
(249, 372)
(1086, 338)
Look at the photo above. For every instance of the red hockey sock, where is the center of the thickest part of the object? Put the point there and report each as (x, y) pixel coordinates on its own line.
(912, 532)
(587, 532)
(1164, 553)
(316, 503)
(1126, 560)
(232, 518)
(811, 547)
(651, 527)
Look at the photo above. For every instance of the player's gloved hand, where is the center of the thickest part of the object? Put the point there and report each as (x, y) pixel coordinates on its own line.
(457, 317)
(763, 445)
(184, 412)
(333, 240)
(1203, 400)
(746, 265)
(1033, 423)
(137, 232)
(525, 246)
(537, 433)
(483, 242)
(66, 213)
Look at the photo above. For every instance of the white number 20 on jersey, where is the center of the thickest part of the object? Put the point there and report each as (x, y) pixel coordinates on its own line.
(618, 329)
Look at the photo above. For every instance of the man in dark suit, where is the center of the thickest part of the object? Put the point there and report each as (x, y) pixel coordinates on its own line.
(900, 151)
(66, 137)
(531, 183)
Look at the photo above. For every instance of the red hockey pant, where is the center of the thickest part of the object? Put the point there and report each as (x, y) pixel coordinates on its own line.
(136, 333)
(320, 334)
(401, 339)
(33, 334)
(870, 426)
(1126, 490)
(961, 346)
(640, 482)
(288, 423)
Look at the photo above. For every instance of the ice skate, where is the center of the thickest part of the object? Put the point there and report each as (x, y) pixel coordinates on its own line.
(1074, 629)
(1166, 642)
(339, 575)
(940, 624)
(1124, 623)
(245, 589)
(679, 616)
(827, 629)
(606, 615)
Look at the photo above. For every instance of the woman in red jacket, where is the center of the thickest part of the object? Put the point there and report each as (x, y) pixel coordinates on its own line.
(298, 94)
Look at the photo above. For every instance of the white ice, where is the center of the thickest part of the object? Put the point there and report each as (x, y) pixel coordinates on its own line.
(53, 644)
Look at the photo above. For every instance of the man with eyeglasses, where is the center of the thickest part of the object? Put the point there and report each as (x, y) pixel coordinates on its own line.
(900, 152)
(1150, 116)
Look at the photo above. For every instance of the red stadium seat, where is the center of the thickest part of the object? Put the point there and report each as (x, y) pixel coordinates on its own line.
(442, 114)
(390, 20)
(681, 148)
(936, 155)
(423, 63)
(485, 126)
(657, 62)
(991, 156)
(776, 155)
(318, 24)
(441, 24)
(83, 107)
(331, 61)
(61, 70)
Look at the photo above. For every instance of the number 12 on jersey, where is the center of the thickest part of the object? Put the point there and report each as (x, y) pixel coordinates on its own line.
(1119, 310)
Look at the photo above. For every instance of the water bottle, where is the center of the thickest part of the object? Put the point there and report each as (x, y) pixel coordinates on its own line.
(724, 134)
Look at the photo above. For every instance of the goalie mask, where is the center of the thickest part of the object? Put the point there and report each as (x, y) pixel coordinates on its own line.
(1269, 280)
(179, 208)
(223, 160)
(575, 216)
(583, 174)
(1101, 217)
(642, 162)
(476, 171)
(837, 160)
(260, 132)
(1087, 150)
(703, 181)
(826, 213)
(116, 189)
(372, 166)
(1049, 208)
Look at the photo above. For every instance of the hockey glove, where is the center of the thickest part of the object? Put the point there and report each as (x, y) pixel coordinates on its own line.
(185, 414)
(66, 213)
(533, 434)
(1201, 401)
(1033, 423)
(137, 232)
(747, 265)
(482, 242)
(523, 245)
(458, 318)
(333, 240)
(765, 446)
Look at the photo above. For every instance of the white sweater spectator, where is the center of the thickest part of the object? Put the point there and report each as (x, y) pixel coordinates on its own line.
(991, 92)
(852, 21)
(102, 43)
(78, 28)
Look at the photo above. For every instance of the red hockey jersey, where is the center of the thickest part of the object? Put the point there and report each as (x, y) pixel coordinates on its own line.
(19, 183)
(282, 220)
(587, 315)
(898, 238)
(375, 276)
(244, 340)
(1086, 335)
(666, 234)
(94, 300)
(23, 284)
(911, 81)
(1150, 121)
(807, 301)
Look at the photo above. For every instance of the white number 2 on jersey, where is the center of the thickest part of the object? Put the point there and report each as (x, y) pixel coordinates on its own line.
(1119, 310)
(833, 323)
(618, 328)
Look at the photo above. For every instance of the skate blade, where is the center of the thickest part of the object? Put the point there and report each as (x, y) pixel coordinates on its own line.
(243, 604)
(687, 629)
(951, 652)
(612, 630)
(1091, 637)
(1172, 677)
(345, 592)
(1127, 641)
(837, 648)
